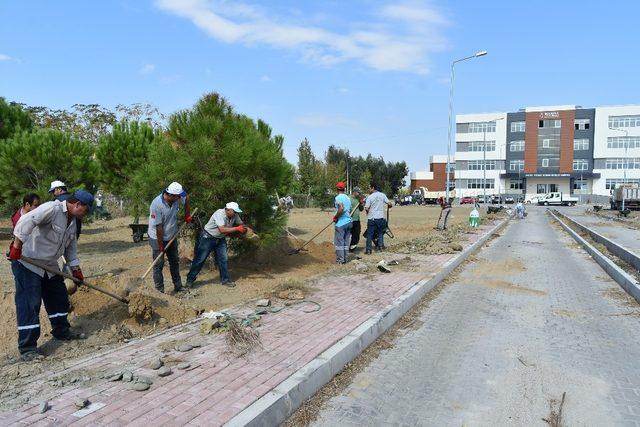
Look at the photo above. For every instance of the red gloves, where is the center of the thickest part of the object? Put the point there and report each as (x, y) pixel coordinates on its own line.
(241, 229)
(161, 246)
(78, 274)
(335, 218)
(188, 219)
(14, 253)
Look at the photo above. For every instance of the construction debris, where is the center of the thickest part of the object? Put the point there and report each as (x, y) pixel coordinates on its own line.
(382, 266)
(164, 372)
(44, 406)
(81, 402)
(139, 386)
(240, 339)
(360, 267)
(263, 302)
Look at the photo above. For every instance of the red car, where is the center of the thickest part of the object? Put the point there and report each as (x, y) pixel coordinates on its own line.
(468, 200)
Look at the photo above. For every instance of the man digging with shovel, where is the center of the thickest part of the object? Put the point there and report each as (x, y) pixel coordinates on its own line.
(223, 223)
(45, 234)
(163, 226)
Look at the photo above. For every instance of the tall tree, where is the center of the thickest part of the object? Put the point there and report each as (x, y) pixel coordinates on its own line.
(219, 156)
(13, 119)
(29, 161)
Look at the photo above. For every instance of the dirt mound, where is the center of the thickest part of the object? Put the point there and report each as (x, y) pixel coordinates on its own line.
(435, 242)
(140, 306)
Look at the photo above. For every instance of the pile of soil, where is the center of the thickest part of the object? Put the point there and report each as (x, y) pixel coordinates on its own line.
(140, 306)
(435, 242)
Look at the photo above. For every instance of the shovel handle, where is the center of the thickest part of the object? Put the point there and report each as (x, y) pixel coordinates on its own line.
(155, 261)
(70, 277)
(320, 232)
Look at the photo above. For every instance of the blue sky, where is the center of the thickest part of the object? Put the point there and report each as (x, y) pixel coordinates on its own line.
(371, 76)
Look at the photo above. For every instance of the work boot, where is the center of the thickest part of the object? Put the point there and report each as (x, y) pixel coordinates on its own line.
(352, 247)
(367, 252)
(229, 284)
(70, 336)
(188, 285)
(31, 356)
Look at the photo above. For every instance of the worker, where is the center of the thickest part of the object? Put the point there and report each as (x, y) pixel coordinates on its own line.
(357, 202)
(376, 224)
(45, 234)
(343, 224)
(60, 192)
(223, 223)
(445, 205)
(29, 203)
(520, 210)
(163, 226)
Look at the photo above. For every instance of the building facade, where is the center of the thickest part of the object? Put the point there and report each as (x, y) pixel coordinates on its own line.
(537, 150)
(435, 179)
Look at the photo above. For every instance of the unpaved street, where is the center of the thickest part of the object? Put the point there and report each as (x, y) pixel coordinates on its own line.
(534, 317)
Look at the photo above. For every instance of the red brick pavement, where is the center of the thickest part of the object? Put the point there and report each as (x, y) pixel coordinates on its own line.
(217, 386)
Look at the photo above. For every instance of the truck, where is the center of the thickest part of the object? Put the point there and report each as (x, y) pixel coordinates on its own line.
(431, 197)
(627, 195)
(558, 198)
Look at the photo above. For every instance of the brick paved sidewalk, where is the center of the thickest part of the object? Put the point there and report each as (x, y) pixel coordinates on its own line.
(217, 386)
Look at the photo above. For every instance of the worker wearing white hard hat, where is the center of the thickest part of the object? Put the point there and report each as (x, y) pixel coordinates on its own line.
(163, 226)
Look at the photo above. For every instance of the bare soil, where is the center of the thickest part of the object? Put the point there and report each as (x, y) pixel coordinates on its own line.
(110, 259)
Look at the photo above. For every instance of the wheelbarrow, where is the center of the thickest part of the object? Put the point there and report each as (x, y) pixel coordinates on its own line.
(138, 231)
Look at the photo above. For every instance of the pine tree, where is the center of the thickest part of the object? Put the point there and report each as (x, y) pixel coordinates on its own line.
(219, 156)
(30, 161)
(13, 119)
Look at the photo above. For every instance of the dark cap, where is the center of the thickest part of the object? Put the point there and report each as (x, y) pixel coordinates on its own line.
(84, 197)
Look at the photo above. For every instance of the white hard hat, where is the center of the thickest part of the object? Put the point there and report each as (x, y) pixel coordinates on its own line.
(55, 184)
(233, 206)
(176, 189)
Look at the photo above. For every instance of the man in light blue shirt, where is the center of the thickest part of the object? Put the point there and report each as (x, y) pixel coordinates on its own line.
(343, 222)
(376, 224)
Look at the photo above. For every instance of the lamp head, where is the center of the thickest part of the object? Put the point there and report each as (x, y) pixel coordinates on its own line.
(481, 53)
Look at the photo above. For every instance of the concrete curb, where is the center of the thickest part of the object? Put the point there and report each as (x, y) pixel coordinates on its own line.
(278, 404)
(626, 281)
(616, 249)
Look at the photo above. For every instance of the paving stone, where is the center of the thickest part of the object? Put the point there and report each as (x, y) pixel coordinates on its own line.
(164, 371)
(139, 386)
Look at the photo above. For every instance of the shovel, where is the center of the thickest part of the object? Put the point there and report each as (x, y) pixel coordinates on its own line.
(296, 251)
(57, 272)
(169, 243)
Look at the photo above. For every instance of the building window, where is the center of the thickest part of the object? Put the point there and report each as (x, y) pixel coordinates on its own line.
(624, 121)
(545, 163)
(477, 183)
(516, 146)
(623, 142)
(518, 126)
(580, 184)
(479, 146)
(547, 188)
(580, 165)
(516, 184)
(476, 127)
(582, 124)
(622, 163)
(478, 165)
(610, 184)
(516, 165)
(549, 124)
(580, 144)
(546, 143)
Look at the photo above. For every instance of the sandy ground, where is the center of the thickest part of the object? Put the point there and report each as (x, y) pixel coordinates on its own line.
(112, 260)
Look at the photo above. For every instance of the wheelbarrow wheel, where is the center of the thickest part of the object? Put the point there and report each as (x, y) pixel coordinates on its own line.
(137, 237)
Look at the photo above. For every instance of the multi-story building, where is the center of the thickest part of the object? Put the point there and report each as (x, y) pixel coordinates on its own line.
(435, 179)
(542, 149)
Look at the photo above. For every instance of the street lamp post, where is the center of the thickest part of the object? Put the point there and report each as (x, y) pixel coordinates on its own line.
(626, 159)
(478, 54)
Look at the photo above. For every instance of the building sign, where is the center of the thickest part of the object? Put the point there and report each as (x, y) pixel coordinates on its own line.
(549, 115)
(543, 175)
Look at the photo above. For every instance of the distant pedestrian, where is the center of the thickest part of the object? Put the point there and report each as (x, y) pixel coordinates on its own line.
(445, 205)
(520, 210)
(224, 222)
(356, 229)
(376, 224)
(29, 203)
(163, 226)
(343, 222)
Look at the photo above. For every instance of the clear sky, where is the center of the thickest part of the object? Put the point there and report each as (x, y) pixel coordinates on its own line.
(371, 76)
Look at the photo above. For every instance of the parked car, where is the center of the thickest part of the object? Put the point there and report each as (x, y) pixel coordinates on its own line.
(480, 199)
(495, 199)
(509, 200)
(467, 200)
